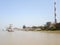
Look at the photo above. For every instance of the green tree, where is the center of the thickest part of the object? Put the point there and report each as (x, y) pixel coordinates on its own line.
(24, 26)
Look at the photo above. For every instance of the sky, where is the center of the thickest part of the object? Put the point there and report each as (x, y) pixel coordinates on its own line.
(27, 12)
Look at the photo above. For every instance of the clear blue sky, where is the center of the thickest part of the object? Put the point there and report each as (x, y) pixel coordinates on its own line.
(27, 12)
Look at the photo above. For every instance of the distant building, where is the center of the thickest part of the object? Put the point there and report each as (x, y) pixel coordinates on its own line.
(32, 29)
(57, 26)
(27, 29)
(48, 25)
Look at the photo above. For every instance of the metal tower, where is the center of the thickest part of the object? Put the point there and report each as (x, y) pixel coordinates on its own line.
(55, 11)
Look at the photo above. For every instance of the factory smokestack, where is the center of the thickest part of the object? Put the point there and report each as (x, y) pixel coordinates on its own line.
(55, 11)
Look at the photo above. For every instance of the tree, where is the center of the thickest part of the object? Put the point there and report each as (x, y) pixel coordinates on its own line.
(24, 26)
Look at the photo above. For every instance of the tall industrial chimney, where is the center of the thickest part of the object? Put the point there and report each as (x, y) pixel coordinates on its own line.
(55, 11)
